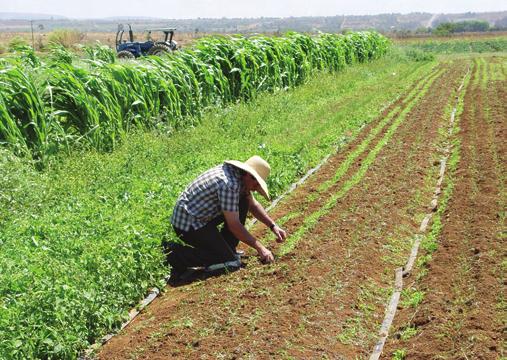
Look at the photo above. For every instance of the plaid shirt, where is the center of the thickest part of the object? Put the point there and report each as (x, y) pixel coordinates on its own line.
(213, 192)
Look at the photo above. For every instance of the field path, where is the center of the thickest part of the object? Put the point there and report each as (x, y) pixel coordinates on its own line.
(351, 225)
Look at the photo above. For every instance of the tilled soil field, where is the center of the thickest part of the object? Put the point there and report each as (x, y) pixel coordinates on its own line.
(463, 315)
(350, 225)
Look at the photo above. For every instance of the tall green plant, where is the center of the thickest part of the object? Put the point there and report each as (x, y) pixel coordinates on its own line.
(98, 101)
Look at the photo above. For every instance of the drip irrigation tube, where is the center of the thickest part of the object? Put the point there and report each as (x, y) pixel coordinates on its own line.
(406, 270)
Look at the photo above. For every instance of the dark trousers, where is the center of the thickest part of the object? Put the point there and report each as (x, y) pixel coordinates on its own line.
(207, 245)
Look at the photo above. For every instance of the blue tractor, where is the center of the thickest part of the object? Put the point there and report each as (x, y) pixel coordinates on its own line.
(132, 49)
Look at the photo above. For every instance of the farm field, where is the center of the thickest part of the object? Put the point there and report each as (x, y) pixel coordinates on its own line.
(351, 225)
(463, 314)
(81, 237)
(98, 150)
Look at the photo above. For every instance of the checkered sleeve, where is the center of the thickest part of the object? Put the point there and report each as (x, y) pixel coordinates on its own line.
(228, 197)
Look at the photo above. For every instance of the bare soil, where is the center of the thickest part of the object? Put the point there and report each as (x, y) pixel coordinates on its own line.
(326, 298)
(463, 315)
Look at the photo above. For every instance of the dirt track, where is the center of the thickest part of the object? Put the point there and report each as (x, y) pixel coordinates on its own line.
(326, 297)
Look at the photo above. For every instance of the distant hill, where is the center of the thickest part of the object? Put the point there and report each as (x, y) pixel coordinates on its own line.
(491, 17)
(29, 16)
(10, 22)
(123, 18)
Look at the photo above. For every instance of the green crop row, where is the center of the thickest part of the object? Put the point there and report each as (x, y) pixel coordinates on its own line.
(50, 105)
(311, 220)
(459, 46)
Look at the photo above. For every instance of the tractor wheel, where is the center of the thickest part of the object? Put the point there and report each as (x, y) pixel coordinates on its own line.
(159, 49)
(173, 45)
(126, 55)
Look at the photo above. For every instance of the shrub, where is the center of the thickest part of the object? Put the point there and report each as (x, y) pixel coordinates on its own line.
(419, 55)
(17, 43)
(65, 37)
(444, 29)
(447, 28)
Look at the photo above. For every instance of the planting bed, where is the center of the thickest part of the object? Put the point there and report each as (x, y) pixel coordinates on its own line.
(463, 314)
(350, 225)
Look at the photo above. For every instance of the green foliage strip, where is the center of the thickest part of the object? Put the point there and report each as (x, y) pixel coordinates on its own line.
(310, 221)
(49, 106)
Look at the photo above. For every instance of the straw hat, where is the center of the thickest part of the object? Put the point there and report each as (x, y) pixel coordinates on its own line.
(258, 168)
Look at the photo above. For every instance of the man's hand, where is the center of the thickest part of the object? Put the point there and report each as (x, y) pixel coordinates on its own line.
(266, 255)
(238, 230)
(280, 233)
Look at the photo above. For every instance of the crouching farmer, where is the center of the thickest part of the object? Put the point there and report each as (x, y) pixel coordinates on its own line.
(222, 194)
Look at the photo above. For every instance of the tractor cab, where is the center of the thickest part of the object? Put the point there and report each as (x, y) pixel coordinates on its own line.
(130, 49)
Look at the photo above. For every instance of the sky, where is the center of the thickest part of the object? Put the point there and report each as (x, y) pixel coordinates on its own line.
(187, 9)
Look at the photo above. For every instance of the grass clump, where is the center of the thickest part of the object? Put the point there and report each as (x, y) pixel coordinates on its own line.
(67, 38)
(408, 332)
(419, 55)
(411, 297)
(17, 43)
(399, 354)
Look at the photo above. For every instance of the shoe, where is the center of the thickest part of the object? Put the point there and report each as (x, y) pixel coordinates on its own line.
(240, 252)
(228, 265)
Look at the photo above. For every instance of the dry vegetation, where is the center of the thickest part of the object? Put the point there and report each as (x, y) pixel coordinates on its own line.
(72, 37)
